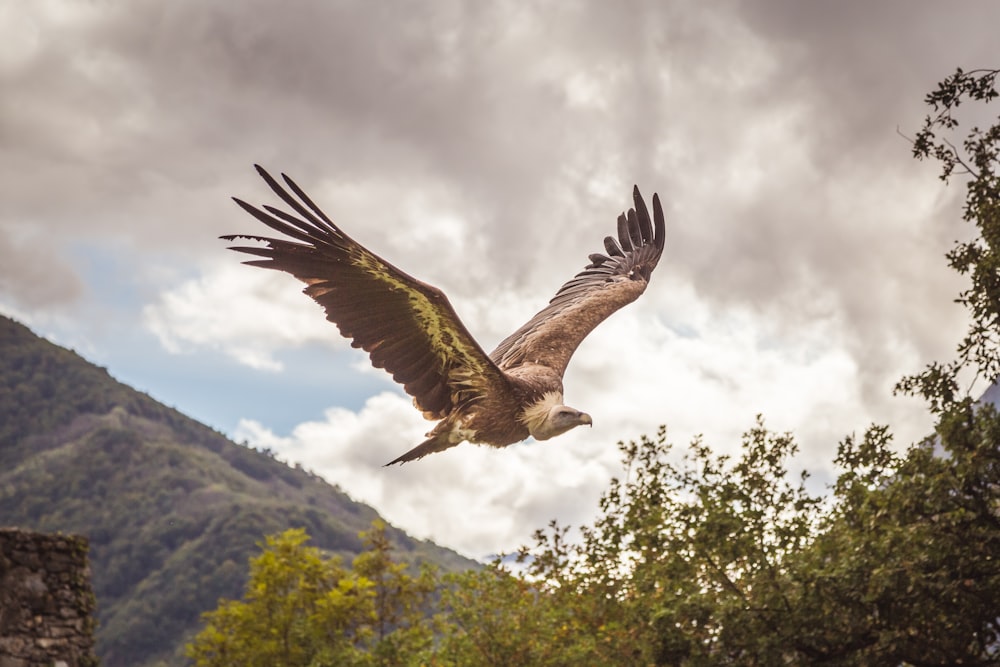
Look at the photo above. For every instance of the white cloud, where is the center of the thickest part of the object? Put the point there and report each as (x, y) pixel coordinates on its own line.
(478, 500)
(246, 313)
(631, 376)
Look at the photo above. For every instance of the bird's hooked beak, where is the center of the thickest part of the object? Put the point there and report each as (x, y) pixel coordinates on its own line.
(585, 419)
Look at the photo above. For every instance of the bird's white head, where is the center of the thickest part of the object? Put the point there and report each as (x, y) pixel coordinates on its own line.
(549, 417)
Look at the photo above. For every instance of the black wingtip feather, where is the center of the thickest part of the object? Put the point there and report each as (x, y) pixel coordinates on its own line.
(658, 220)
(271, 183)
(310, 211)
(611, 245)
(300, 193)
(634, 230)
(624, 237)
(637, 233)
(296, 232)
(652, 232)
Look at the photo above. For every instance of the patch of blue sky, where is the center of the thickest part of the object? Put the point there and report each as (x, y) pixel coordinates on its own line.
(219, 391)
(216, 390)
(116, 279)
(205, 384)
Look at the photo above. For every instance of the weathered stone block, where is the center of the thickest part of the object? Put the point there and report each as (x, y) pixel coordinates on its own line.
(45, 601)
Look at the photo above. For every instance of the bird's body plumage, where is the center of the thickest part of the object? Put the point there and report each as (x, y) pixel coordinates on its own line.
(410, 329)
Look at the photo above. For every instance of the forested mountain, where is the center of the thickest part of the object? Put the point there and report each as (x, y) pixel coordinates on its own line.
(173, 509)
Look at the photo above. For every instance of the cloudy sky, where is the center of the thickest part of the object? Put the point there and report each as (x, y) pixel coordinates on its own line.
(487, 149)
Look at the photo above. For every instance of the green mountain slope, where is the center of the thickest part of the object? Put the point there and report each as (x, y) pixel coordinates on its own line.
(172, 508)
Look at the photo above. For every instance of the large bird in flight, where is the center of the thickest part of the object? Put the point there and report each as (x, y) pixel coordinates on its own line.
(411, 330)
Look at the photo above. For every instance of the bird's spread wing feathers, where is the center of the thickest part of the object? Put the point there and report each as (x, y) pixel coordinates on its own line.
(407, 327)
(605, 285)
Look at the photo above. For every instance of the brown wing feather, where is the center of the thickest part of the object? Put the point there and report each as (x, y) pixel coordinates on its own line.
(407, 326)
(605, 285)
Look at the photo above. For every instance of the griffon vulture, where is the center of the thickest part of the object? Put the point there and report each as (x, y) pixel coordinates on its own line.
(410, 329)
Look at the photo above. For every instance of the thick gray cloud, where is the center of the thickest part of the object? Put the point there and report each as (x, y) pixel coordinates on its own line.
(486, 148)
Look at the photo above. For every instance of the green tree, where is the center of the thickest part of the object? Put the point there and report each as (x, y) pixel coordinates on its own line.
(495, 617)
(907, 560)
(401, 621)
(708, 560)
(684, 565)
(976, 158)
(301, 608)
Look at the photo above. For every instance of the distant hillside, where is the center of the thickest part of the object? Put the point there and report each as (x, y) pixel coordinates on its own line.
(173, 509)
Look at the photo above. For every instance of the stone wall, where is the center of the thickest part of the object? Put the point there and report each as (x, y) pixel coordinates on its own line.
(46, 602)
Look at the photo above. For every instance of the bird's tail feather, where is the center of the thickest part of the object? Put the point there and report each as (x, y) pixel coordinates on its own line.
(437, 443)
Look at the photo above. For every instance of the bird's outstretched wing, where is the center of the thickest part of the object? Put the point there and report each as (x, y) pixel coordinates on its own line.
(605, 285)
(407, 326)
